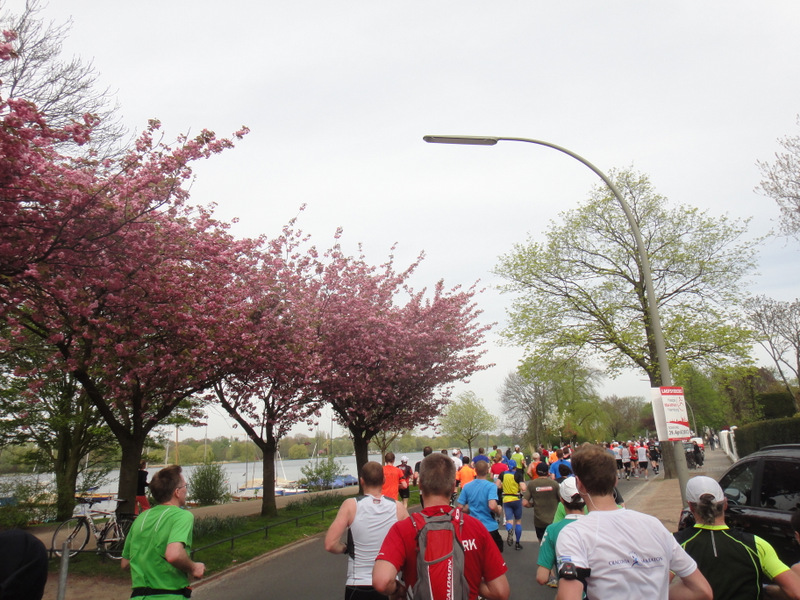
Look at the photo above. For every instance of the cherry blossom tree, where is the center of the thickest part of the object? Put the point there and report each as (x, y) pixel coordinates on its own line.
(270, 387)
(388, 354)
(130, 288)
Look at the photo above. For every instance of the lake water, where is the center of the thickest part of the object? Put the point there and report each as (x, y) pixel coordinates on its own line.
(238, 474)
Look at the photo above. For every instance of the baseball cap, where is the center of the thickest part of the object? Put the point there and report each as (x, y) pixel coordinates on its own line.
(700, 485)
(541, 469)
(569, 489)
(404, 459)
(455, 451)
(516, 447)
(512, 464)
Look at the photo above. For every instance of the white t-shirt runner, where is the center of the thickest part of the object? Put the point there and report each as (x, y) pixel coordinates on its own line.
(630, 554)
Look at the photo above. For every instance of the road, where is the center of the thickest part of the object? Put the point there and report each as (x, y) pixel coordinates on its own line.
(305, 570)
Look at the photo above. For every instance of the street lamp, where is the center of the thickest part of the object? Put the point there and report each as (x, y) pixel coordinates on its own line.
(652, 306)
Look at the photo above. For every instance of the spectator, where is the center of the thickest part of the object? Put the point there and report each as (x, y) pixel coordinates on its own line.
(142, 503)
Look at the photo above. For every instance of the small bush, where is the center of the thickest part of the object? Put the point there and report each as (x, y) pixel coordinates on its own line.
(30, 504)
(320, 476)
(207, 485)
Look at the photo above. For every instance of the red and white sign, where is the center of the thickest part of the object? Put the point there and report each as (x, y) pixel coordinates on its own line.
(669, 410)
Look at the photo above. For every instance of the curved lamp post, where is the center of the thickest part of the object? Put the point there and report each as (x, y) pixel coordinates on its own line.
(652, 306)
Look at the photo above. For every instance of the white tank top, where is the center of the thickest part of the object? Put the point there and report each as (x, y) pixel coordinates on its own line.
(374, 517)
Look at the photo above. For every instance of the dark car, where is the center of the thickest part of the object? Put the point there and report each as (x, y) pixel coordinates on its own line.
(763, 491)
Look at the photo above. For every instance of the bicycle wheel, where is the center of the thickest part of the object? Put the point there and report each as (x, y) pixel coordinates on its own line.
(74, 530)
(112, 540)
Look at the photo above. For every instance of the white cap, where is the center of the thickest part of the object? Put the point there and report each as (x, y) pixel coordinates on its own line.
(404, 459)
(700, 485)
(455, 451)
(569, 489)
(516, 447)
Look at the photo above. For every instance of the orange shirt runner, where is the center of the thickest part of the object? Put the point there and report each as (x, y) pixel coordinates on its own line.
(391, 481)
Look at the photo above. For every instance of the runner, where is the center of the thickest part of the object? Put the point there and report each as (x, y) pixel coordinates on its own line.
(405, 481)
(512, 484)
(480, 498)
(541, 495)
(484, 567)
(641, 456)
(365, 520)
(618, 458)
(626, 460)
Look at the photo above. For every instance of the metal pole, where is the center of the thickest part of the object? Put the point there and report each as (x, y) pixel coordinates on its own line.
(652, 306)
(63, 570)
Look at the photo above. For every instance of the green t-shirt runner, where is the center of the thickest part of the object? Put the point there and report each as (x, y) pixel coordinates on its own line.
(150, 534)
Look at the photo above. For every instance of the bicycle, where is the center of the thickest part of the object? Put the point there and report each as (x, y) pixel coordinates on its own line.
(110, 538)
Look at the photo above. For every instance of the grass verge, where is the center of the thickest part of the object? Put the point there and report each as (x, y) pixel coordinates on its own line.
(224, 555)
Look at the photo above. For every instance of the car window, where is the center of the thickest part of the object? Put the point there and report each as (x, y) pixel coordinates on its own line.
(738, 483)
(780, 485)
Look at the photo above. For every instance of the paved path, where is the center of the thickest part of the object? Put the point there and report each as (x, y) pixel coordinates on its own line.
(305, 570)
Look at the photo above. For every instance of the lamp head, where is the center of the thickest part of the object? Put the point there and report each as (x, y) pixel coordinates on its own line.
(467, 140)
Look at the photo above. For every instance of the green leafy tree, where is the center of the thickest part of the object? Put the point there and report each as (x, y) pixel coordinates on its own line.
(582, 290)
(466, 419)
(59, 420)
(710, 407)
(622, 415)
(298, 451)
(554, 397)
(742, 386)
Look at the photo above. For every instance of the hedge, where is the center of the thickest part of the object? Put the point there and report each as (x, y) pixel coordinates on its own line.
(755, 436)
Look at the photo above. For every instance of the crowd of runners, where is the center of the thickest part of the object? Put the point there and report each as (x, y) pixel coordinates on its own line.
(588, 546)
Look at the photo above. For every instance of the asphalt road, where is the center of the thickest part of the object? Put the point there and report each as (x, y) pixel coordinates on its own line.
(305, 570)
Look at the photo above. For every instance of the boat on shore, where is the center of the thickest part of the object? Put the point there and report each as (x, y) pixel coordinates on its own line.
(254, 488)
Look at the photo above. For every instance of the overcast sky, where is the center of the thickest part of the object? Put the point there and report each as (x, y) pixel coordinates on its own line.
(339, 94)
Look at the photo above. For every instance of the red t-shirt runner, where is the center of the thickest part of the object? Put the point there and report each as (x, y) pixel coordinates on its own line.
(482, 559)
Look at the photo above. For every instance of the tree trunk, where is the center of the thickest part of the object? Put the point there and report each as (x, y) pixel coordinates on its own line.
(129, 473)
(269, 448)
(66, 473)
(361, 447)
